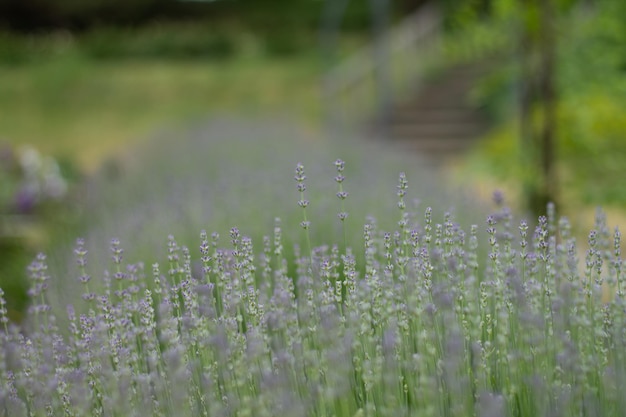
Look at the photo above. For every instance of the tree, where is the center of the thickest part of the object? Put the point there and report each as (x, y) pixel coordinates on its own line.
(538, 100)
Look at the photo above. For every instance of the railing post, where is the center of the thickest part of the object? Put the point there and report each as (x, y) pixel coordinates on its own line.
(367, 83)
(382, 60)
(329, 37)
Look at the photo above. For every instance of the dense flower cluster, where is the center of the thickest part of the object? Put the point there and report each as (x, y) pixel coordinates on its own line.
(430, 319)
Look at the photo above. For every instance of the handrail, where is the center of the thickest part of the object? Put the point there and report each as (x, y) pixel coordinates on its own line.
(353, 90)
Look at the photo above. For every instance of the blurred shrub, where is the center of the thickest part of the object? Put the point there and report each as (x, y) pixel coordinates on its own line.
(164, 40)
(75, 14)
(31, 186)
(593, 145)
(13, 279)
(258, 14)
(591, 150)
(12, 50)
(591, 76)
(160, 41)
(19, 49)
(29, 181)
(261, 16)
(279, 44)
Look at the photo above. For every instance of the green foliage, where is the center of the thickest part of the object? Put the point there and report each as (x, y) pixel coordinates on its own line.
(593, 147)
(36, 14)
(32, 190)
(166, 40)
(591, 76)
(159, 42)
(278, 45)
(26, 49)
(13, 280)
(285, 15)
(591, 151)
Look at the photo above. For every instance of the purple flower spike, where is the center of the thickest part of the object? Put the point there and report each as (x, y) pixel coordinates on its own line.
(25, 200)
(498, 197)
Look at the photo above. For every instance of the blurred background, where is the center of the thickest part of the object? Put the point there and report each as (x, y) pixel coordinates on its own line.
(100, 99)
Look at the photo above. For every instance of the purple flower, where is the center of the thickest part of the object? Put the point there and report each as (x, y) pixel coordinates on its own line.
(25, 200)
(498, 198)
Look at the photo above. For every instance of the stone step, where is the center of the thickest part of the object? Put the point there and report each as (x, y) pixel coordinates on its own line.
(435, 145)
(406, 114)
(439, 99)
(443, 96)
(411, 130)
(460, 72)
(439, 122)
(438, 104)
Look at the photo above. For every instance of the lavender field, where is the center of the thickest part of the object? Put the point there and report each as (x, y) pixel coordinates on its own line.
(346, 287)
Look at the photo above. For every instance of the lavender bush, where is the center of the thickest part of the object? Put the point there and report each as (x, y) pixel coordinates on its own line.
(232, 172)
(430, 327)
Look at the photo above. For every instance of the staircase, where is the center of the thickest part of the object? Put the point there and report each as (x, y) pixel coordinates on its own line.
(439, 122)
(431, 116)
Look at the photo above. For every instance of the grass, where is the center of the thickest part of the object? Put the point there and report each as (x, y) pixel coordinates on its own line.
(85, 109)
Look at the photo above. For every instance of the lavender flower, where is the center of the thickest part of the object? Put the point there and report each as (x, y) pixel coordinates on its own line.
(303, 203)
(425, 319)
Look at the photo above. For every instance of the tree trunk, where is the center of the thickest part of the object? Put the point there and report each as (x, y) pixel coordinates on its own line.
(538, 98)
(548, 97)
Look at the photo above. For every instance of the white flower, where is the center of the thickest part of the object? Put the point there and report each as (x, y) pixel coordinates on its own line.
(53, 183)
(30, 160)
